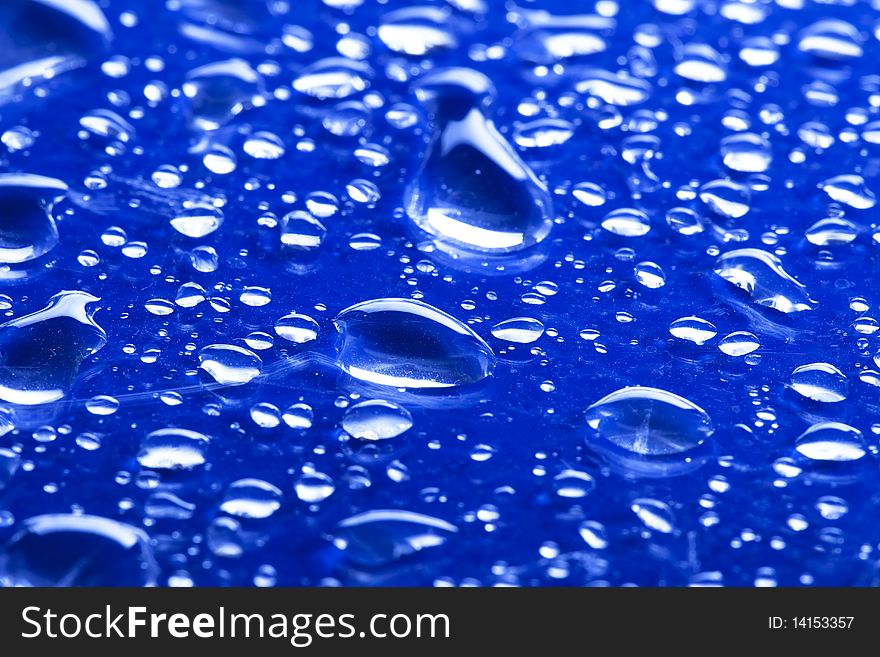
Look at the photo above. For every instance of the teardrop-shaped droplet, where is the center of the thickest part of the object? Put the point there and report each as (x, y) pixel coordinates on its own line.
(649, 421)
(230, 364)
(376, 419)
(77, 550)
(832, 441)
(384, 536)
(820, 382)
(43, 38)
(472, 190)
(40, 353)
(27, 229)
(761, 275)
(409, 344)
(173, 449)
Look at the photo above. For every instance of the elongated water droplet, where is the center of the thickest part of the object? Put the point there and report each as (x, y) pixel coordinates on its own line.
(693, 329)
(40, 353)
(850, 189)
(384, 536)
(820, 382)
(472, 190)
(251, 498)
(409, 344)
(229, 364)
(417, 31)
(649, 421)
(522, 330)
(761, 275)
(832, 441)
(173, 449)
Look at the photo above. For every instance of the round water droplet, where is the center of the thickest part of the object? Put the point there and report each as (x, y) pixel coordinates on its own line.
(725, 198)
(650, 275)
(251, 498)
(229, 364)
(700, 62)
(264, 145)
(298, 416)
(761, 275)
(314, 487)
(573, 484)
(684, 221)
(334, 77)
(832, 441)
(409, 344)
(417, 31)
(173, 449)
(302, 231)
(832, 231)
(376, 419)
(102, 405)
(77, 550)
(649, 421)
(831, 39)
(219, 91)
(820, 382)
(746, 152)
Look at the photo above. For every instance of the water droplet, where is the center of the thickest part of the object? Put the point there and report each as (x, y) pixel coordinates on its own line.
(376, 419)
(654, 514)
(251, 498)
(302, 231)
(384, 536)
(850, 189)
(40, 353)
(264, 145)
(173, 449)
(831, 39)
(726, 198)
(832, 441)
(27, 229)
(543, 133)
(102, 405)
(649, 421)
(77, 550)
(297, 328)
(198, 220)
(409, 344)
(628, 222)
(219, 91)
(573, 484)
(522, 330)
(820, 382)
(456, 193)
(314, 487)
(739, 343)
(761, 275)
(650, 275)
(693, 329)
(684, 221)
(746, 152)
(229, 364)
(590, 194)
(832, 231)
(619, 88)
(334, 77)
(417, 31)
(700, 62)
(298, 416)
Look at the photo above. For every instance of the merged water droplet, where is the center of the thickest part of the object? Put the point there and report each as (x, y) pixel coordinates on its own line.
(472, 190)
(649, 421)
(761, 275)
(77, 550)
(27, 228)
(384, 536)
(408, 344)
(40, 353)
(820, 382)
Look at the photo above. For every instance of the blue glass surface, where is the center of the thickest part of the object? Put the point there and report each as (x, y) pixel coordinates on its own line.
(469, 292)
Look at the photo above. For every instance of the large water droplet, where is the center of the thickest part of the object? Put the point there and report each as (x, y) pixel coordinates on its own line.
(472, 190)
(383, 536)
(832, 441)
(77, 550)
(650, 421)
(761, 275)
(820, 382)
(40, 353)
(27, 229)
(409, 344)
(42, 38)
